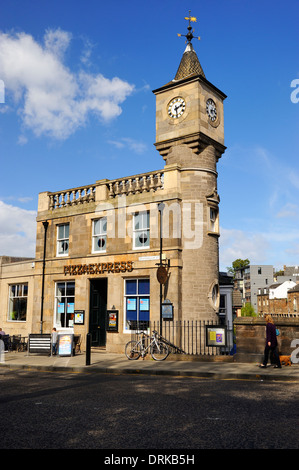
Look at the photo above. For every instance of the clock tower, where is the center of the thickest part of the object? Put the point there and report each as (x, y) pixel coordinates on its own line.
(190, 134)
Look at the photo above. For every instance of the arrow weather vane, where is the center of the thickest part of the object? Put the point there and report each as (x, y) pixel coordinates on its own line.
(189, 35)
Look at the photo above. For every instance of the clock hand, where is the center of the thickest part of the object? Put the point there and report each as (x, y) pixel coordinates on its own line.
(177, 107)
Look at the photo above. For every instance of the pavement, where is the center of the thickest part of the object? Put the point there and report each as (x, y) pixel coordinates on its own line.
(109, 363)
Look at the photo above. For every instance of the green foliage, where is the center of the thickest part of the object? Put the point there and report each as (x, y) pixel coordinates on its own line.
(248, 311)
(237, 264)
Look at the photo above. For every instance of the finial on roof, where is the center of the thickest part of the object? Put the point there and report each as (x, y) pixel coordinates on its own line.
(190, 64)
(189, 36)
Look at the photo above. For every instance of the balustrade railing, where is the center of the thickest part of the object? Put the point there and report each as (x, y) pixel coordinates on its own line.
(148, 182)
(72, 197)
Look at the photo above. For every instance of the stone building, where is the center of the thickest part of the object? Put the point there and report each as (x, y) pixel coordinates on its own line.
(101, 264)
(278, 299)
(249, 279)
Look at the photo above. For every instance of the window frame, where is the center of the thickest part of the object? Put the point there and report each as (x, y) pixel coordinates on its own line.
(62, 239)
(144, 228)
(17, 296)
(58, 299)
(138, 297)
(100, 234)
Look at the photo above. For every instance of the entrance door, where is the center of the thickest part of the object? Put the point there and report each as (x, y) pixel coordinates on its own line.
(97, 313)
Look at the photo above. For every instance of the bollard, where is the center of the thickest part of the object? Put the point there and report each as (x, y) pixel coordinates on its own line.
(88, 347)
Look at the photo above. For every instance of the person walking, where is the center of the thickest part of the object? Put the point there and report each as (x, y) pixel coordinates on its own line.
(271, 343)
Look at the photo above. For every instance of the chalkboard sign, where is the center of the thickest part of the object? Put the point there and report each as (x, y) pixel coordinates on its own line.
(65, 344)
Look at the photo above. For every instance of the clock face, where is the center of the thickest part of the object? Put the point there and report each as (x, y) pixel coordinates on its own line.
(176, 108)
(211, 110)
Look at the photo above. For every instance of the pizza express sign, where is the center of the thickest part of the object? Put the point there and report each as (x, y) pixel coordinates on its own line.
(98, 268)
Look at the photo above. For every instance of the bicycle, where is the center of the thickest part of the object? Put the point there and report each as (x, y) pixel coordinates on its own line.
(158, 350)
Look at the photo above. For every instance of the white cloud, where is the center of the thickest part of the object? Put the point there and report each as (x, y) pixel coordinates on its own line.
(236, 244)
(50, 98)
(132, 144)
(17, 231)
(288, 210)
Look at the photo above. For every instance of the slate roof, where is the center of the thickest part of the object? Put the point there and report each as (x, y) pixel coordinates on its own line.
(189, 65)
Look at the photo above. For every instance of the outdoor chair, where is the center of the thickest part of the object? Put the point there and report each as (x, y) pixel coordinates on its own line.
(77, 343)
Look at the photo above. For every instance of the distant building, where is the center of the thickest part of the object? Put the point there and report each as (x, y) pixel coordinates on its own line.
(278, 299)
(249, 279)
(290, 273)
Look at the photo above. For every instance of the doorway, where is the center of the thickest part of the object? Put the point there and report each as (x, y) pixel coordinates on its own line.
(97, 312)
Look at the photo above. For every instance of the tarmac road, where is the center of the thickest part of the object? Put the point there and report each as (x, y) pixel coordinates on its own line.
(67, 410)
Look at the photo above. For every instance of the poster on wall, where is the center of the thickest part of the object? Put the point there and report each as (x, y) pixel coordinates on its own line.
(79, 317)
(131, 304)
(215, 336)
(65, 344)
(112, 320)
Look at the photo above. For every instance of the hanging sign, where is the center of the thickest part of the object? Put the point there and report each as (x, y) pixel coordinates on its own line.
(162, 274)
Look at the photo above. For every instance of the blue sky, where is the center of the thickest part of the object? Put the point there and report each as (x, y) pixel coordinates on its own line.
(58, 131)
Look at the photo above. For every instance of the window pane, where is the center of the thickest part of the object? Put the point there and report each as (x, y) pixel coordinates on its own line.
(70, 288)
(131, 287)
(96, 226)
(63, 247)
(61, 289)
(60, 232)
(104, 225)
(137, 222)
(143, 286)
(146, 220)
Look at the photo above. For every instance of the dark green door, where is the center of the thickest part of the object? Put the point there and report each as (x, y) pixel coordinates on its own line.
(97, 314)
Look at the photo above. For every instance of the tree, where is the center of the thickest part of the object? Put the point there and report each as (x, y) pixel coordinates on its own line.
(237, 264)
(248, 311)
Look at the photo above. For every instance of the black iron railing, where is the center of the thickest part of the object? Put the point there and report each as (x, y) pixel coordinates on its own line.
(186, 337)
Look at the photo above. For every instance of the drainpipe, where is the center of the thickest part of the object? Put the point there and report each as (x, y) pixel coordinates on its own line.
(160, 209)
(45, 224)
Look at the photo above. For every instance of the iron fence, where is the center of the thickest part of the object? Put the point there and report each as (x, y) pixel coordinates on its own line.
(186, 337)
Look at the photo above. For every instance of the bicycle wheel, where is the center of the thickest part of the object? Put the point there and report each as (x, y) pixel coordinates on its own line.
(133, 350)
(159, 351)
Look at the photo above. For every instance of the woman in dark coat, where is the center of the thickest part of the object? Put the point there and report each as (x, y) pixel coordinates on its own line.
(271, 343)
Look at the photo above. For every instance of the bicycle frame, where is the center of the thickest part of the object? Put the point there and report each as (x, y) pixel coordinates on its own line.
(159, 350)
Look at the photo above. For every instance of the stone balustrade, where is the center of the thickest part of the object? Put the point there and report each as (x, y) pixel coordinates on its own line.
(147, 182)
(71, 197)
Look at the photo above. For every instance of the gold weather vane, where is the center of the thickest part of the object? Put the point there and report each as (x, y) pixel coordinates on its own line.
(189, 35)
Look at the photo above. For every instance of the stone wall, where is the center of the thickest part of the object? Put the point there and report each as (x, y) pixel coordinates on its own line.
(251, 333)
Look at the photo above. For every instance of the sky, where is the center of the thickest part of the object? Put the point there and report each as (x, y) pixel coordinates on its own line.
(76, 106)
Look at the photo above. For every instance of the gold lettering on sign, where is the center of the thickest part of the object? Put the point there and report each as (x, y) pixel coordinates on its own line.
(98, 268)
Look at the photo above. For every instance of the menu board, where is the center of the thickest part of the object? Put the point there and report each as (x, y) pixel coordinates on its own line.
(112, 320)
(65, 344)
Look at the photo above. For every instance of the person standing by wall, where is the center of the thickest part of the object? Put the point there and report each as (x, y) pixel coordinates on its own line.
(271, 343)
